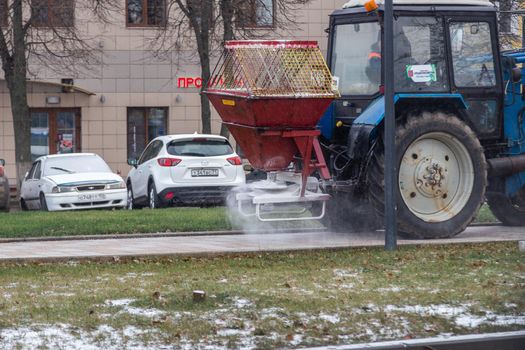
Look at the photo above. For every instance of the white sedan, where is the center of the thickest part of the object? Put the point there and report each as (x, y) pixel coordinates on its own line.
(72, 181)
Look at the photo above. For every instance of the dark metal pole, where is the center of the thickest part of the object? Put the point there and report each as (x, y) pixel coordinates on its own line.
(390, 125)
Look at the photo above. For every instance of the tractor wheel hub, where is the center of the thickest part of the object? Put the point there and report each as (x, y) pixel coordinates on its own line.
(431, 178)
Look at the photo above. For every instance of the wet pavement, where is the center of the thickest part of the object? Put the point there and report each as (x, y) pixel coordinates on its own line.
(211, 244)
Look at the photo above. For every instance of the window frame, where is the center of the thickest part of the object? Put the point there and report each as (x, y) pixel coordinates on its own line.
(31, 171)
(50, 23)
(38, 171)
(492, 51)
(153, 148)
(361, 19)
(146, 115)
(52, 114)
(480, 92)
(145, 16)
(446, 51)
(251, 22)
(331, 62)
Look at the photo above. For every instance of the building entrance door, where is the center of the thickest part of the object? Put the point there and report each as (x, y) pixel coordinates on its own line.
(55, 130)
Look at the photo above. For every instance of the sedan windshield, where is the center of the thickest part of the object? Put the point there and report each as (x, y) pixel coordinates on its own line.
(356, 58)
(75, 164)
(200, 148)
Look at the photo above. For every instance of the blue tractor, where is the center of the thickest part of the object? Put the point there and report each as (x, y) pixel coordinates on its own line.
(460, 105)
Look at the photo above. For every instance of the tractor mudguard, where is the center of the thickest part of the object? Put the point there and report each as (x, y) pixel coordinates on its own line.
(364, 129)
(375, 112)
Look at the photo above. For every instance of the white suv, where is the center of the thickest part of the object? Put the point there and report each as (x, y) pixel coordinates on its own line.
(194, 169)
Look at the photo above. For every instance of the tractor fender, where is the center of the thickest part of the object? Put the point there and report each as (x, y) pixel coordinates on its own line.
(364, 128)
(375, 112)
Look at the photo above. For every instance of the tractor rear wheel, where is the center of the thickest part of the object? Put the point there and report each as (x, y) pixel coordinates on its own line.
(510, 211)
(442, 176)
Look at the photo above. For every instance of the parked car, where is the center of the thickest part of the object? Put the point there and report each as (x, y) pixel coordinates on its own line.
(189, 169)
(4, 188)
(72, 181)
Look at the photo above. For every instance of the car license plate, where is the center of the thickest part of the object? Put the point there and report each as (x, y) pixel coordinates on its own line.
(204, 172)
(91, 196)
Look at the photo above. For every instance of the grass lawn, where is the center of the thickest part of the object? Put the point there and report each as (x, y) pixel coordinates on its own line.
(95, 222)
(92, 222)
(485, 216)
(100, 222)
(265, 301)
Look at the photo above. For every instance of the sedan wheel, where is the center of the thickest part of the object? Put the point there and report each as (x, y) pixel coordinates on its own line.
(43, 203)
(129, 205)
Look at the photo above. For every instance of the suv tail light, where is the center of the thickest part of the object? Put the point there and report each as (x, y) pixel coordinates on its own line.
(168, 161)
(235, 160)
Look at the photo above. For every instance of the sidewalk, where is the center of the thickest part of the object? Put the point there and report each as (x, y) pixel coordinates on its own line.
(206, 245)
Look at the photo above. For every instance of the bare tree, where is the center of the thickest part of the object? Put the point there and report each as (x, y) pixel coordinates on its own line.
(509, 13)
(198, 24)
(45, 33)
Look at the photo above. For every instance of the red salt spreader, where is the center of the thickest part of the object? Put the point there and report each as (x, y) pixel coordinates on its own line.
(271, 95)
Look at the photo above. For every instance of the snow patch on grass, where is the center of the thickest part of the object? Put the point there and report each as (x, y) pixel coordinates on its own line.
(330, 318)
(242, 303)
(119, 302)
(392, 289)
(228, 332)
(57, 294)
(461, 315)
(137, 311)
(66, 337)
(345, 273)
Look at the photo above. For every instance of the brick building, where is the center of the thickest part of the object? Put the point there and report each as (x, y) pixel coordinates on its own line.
(116, 108)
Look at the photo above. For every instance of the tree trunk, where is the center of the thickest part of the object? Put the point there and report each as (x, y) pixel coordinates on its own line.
(205, 103)
(15, 67)
(202, 32)
(505, 19)
(21, 125)
(228, 34)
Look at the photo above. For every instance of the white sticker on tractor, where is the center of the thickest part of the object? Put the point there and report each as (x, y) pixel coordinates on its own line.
(423, 73)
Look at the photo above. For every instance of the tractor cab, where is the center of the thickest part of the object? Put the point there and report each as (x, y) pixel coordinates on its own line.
(445, 56)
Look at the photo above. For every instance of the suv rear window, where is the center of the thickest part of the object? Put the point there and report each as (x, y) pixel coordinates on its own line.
(200, 147)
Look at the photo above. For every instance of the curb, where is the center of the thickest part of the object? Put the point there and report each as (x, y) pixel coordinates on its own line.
(486, 341)
(149, 235)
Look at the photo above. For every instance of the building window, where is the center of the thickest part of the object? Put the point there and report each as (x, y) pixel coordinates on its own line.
(3, 13)
(53, 13)
(256, 13)
(144, 124)
(145, 13)
(54, 130)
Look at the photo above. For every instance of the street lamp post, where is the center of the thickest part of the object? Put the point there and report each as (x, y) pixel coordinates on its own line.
(389, 137)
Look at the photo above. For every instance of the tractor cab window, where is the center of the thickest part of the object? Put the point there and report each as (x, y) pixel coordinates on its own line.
(419, 54)
(472, 56)
(356, 58)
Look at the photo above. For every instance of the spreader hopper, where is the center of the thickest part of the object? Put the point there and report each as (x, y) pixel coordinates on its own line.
(271, 95)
